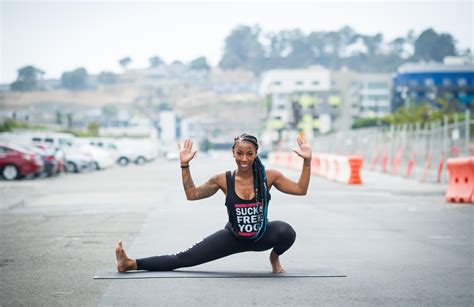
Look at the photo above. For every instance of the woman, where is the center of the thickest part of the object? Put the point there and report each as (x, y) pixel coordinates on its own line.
(247, 199)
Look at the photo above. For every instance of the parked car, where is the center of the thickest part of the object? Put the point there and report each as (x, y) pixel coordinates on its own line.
(127, 151)
(51, 165)
(56, 153)
(77, 161)
(102, 158)
(105, 144)
(16, 162)
(137, 151)
(172, 155)
(56, 139)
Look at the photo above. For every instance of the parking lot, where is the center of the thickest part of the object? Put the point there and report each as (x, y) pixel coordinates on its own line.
(398, 241)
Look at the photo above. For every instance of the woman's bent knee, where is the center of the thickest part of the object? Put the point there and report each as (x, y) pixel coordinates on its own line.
(286, 236)
(289, 234)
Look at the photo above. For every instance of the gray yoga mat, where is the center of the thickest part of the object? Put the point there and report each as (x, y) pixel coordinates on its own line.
(294, 273)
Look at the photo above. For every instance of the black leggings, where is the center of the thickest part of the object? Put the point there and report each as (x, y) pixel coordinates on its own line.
(279, 236)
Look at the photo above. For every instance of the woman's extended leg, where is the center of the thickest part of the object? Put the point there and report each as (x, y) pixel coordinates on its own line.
(218, 245)
(279, 235)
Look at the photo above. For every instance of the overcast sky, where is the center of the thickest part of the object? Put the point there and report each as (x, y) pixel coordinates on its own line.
(63, 35)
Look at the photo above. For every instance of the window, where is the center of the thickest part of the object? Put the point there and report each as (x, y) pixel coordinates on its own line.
(65, 142)
(377, 85)
(315, 82)
(36, 139)
(299, 83)
(276, 83)
(429, 82)
(280, 96)
(49, 140)
(413, 83)
(447, 82)
(462, 82)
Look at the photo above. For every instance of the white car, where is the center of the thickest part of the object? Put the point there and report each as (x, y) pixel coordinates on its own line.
(125, 150)
(137, 151)
(77, 161)
(102, 158)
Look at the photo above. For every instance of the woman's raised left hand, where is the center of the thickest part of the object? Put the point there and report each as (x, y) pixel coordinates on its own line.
(304, 150)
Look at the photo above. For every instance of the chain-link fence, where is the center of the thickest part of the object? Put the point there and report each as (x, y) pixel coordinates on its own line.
(412, 151)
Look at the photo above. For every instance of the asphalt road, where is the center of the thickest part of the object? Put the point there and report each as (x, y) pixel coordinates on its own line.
(398, 241)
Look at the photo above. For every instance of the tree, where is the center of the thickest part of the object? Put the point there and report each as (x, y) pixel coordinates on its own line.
(397, 46)
(107, 77)
(373, 43)
(199, 64)
(75, 80)
(300, 53)
(243, 49)
(124, 62)
(444, 47)
(93, 128)
(155, 61)
(332, 49)
(430, 46)
(27, 79)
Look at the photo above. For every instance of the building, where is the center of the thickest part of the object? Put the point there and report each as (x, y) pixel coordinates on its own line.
(452, 80)
(363, 95)
(294, 100)
(317, 100)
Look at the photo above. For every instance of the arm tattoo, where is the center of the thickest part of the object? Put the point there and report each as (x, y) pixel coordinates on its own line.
(200, 192)
(205, 190)
(188, 183)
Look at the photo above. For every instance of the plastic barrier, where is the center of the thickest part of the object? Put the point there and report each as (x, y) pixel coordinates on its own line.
(355, 163)
(461, 180)
(411, 163)
(375, 159)
(344, 169)
(396, 161)
(385, 160)
(440, 168)
(426, 171)
(315, 165)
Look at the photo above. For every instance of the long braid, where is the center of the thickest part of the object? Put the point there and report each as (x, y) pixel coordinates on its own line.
(260, 185)
(261, 194)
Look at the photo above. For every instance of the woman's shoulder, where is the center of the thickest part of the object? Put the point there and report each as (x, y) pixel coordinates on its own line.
(220, 179)
(272, 174)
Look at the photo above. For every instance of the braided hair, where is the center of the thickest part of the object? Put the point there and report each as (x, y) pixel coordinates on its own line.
(260, 184)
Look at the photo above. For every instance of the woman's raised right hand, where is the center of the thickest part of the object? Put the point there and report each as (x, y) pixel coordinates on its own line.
(186, 153)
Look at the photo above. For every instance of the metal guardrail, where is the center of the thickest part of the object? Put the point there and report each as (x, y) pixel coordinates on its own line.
(410, 151)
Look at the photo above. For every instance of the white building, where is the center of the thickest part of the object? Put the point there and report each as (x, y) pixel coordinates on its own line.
(363, 95)
(294, 99)
(319, 100)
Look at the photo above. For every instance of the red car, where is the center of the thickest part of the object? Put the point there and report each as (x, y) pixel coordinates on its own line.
(16, 162)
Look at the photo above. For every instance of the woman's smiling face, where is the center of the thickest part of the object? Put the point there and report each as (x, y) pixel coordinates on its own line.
(244, 155)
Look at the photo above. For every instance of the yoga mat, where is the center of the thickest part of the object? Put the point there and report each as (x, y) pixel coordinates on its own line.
(291, 273)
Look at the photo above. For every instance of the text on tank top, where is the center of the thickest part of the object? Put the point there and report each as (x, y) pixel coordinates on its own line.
(245, 215)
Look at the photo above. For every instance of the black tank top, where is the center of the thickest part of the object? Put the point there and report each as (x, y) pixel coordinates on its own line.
(244, 214)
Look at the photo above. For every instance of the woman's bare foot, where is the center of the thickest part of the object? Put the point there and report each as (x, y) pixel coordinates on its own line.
(275, 261)
(124, 263)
